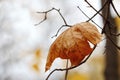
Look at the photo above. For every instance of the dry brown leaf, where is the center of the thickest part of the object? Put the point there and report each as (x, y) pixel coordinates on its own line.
(73, 44)
(90, 32)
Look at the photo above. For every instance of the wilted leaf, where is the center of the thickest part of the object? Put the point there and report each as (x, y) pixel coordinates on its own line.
(73, 44)
(90, 32)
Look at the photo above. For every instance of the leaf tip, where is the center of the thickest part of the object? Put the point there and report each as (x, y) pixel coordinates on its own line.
(47, 68)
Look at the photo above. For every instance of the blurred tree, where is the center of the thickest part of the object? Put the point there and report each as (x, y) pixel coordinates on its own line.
(111, 68)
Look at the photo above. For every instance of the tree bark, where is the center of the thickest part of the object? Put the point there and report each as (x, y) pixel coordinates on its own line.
(111, 68)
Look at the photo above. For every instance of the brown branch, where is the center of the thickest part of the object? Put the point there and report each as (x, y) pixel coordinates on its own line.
(107, 17)
(106, 23)
(72, 66)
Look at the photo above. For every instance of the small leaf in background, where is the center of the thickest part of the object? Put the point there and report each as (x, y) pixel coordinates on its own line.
(74, 44)
(38, 54)
(36, 60)
(36, 67)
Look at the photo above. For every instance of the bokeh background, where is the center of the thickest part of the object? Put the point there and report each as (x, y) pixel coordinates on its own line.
(24, 46)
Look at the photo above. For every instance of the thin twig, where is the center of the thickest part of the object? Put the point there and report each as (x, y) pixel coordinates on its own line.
(91, 20)
(45, 16)
(46, 12)
(66, 73)
(72, 66)
(102, 15)
(60, 29)
(114, 8)
(88, 17)
(98, 11)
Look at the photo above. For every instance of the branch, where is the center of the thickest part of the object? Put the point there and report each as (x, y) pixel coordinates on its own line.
(107, 17)
(103, 28)
(60, 29)
(66, 74)
(88, 17)
(99, 13)
(99, 10)
(107, 22)
(72, 66)
(45, 17)
(118, 47)
(114, 8)
(46, 12)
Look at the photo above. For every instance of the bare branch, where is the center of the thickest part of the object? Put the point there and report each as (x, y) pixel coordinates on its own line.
(72, 66)
(88, 17)
(95, 9)
(99, 13)
(114, 8)
(99, 10)
(61, 16)
(45, 15)
(60, 29)
(106, 22)
(46, 12)
(66, 74)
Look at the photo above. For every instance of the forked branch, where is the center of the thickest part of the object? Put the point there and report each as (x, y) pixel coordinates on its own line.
(45, 17)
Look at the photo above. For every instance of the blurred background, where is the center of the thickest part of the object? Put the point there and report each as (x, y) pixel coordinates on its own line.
(24, 46)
